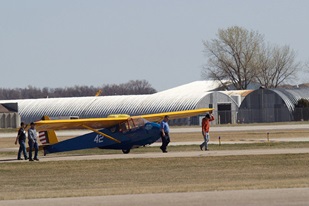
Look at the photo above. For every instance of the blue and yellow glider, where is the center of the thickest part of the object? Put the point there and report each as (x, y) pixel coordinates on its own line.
(122, 132)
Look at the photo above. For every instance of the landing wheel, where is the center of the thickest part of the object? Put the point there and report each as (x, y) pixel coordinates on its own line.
(126, 151)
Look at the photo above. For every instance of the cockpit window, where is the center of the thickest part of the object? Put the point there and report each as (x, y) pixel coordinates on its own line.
(123, 127)
(139, 122)
(131, 124)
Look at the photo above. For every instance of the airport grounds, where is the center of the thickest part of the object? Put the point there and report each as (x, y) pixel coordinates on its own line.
(57, 177)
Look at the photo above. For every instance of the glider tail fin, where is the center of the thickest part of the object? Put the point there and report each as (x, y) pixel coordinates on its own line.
(47, 137)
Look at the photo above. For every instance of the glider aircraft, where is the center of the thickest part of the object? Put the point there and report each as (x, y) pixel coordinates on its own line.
(120, 132)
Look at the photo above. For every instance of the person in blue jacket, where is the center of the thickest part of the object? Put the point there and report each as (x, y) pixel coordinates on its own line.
(33, 142)
(164, 133)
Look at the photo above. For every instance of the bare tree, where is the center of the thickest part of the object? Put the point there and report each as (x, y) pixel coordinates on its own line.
(276, 65)
(139, 87)
(133, 87)
(306, 67)
(232, 56)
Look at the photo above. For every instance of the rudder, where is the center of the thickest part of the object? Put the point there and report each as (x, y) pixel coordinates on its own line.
(47, 137)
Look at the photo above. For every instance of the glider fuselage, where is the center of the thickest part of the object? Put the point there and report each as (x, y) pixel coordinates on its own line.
(130, 136)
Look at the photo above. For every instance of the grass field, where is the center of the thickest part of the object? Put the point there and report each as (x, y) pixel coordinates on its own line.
(23, 180)
(134, 176)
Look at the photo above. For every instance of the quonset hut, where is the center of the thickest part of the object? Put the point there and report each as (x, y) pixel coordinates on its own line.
(9, 117)
(186, 97)
(271, 105)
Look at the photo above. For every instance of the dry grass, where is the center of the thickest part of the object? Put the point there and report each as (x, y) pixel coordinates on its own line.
(240, 135)
(133, 176)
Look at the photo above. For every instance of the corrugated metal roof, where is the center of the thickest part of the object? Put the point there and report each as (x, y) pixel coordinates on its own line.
(179, 98)
(271, 105)
(291, 96)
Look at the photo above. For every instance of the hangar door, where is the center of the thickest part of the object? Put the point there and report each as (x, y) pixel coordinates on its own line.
(224, 113)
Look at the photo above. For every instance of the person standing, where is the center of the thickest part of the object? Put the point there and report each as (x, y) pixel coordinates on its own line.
(205, 129)
(21, 138)
(33, 143)
(164, 133)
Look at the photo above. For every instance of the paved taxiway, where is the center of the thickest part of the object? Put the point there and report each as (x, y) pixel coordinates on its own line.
(269, 197)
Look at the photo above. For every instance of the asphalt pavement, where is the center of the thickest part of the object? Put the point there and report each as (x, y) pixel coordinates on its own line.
(269, 197)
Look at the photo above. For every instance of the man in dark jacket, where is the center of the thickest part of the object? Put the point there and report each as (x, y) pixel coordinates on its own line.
(21, 138)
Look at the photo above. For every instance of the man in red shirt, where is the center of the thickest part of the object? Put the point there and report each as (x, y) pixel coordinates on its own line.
(205, 129)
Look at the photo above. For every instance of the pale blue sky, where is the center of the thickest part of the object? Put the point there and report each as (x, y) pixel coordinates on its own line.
(63, 43)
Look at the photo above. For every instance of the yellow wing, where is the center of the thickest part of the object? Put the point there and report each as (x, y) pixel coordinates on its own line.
(175, 115)
(62, 124)
(97, 123)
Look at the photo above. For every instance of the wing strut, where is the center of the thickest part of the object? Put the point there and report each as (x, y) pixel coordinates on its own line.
(101, 133)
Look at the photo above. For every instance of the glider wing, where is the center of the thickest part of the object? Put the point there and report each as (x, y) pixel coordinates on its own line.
(175, 115)
(62, 124)
(98, 123)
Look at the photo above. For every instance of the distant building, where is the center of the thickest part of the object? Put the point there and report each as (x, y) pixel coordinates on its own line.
(194, 95)
(230, 107)
(9, 117)
(271, 105)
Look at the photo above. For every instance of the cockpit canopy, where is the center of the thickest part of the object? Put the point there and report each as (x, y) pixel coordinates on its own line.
(129, 125)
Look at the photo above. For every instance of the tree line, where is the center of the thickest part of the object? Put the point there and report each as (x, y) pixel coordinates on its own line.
(241, 57)
(133, 87)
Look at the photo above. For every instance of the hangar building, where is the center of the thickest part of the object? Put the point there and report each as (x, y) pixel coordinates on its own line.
(271, 105)
(198, 94)
(9, 117)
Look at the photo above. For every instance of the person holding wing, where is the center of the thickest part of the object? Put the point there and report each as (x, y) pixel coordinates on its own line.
(205, 129)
